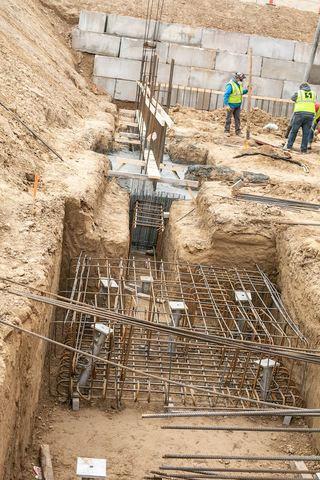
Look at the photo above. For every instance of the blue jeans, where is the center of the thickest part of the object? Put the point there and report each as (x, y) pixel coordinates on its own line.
(301, 120)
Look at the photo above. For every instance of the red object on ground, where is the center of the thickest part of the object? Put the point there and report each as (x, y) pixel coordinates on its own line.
(272, 2)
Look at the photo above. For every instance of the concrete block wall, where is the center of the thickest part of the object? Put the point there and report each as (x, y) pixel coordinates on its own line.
(204, 58)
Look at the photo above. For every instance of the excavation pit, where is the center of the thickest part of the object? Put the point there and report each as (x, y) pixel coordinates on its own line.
(231, 303)
(221, 303)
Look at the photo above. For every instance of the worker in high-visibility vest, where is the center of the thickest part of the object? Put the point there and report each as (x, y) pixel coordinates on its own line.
(232, 102)
(315, 129)
(304, 112)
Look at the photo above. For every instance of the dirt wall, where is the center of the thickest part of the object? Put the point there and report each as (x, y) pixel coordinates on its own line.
(22, 357)
(225, 232)
(213, 229)
(298, 251)
(40, 83)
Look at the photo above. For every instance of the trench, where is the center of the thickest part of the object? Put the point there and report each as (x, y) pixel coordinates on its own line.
(102, 417)
(99, 232)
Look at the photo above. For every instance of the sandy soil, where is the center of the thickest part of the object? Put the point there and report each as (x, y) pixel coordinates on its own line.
(205, 130)
(134, 446)
(40, 83)
(75, 206)
(228, 15)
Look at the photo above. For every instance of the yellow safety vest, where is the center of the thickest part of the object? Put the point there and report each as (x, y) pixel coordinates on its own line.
(237, 92)
(305, 102)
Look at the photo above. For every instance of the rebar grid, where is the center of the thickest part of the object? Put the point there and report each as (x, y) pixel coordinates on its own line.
(148, 214)
(233, 303)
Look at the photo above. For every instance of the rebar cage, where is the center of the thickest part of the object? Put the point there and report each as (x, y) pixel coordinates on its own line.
(146, 225)
(232, 303)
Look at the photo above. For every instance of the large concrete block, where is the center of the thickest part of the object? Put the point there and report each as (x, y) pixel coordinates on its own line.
(302, 53)
(125, 90)
(107, 84)
(282, 69)
(213, 79)
(128, 26)
(121, 68)
(314, 77)
(192, 56)
(289, 88)
(92, 42)
(266, 87)
(183, 34)
(180, 74)
(229, 41)
(92, 21)
(231, 62)
(132, 48)
(272, 47)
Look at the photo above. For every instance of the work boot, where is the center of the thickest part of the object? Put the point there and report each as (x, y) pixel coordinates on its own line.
(286, 149)
(227, 134)
(239, 133)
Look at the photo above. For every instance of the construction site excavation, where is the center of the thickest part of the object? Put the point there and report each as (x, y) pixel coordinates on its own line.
(159, 233)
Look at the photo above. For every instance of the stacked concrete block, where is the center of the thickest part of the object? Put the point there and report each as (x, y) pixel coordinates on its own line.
(98, 43)
(315, 74)
(180, 74)
(211, 79)
(106, 84)
(225, 41)
(204, 58)
(118, 68)
(230, 62)
(289, 88)
(282, 69)
(128, 26)
(302, 53)
(182, 34)
(92, 21)
(125, 90)
(272, 47)
(267, 87)
(132, 48)
(192, 56)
